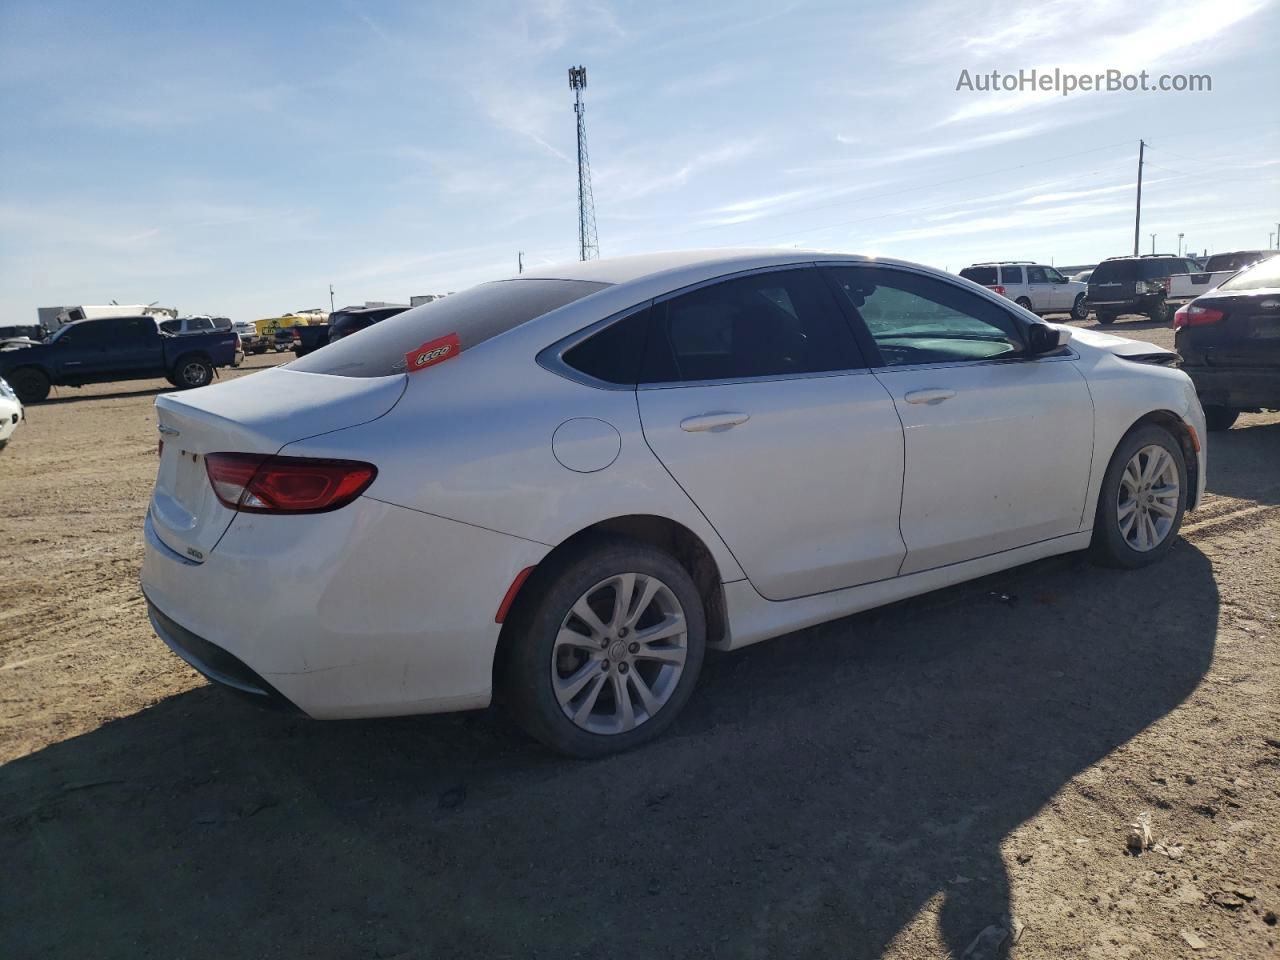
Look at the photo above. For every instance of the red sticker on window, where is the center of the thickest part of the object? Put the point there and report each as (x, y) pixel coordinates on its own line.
(432, 352)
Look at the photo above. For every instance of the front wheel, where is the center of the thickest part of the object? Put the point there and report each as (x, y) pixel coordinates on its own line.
(1080, 309)
(1218, 418)
(1023, 302)
(1159, 312)
(1142, 500)
(192, 372)
(606, 654)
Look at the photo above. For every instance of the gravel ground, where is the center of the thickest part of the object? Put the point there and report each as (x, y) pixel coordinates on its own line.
(954, 775)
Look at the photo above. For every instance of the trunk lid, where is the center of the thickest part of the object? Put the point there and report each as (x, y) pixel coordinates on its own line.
(260, 413)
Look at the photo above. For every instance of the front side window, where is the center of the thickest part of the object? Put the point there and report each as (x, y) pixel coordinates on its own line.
(1054, 276)
(775, 324)
(1036, 275)
(918, 319)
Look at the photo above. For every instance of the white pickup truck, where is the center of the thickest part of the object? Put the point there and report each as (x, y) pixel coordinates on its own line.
(1218, 268)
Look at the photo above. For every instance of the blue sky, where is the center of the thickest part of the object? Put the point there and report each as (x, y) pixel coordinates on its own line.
(239, 157)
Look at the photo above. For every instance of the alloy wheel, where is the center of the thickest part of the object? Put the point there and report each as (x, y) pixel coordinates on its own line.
(1147, 502)
(193, 374)
(619, 653)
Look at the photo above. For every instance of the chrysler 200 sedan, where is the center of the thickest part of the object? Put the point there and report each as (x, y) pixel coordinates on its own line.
(561, 489)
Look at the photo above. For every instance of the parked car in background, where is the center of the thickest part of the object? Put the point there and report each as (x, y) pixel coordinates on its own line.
(1229, 342)
(1219, 267)
(10, 412)
(1083, 276)
(181, 326)
(1133, 285)
(116, 348)
(571, 484)
(247, 331)
(23, 331)
(311, 337)
(343, 323)
(283, 339)
(1032, 286)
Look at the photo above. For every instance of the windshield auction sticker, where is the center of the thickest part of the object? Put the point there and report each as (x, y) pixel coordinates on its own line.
(432, 352)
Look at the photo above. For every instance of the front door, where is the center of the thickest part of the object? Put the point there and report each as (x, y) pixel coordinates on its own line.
(998, 445)
(756, 399)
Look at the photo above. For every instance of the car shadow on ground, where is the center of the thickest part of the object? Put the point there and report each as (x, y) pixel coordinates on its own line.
(1243, 460)
(73, 396)
(820, 791)
(1128, 322)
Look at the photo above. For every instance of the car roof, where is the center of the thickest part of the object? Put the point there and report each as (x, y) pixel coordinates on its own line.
(619, 270)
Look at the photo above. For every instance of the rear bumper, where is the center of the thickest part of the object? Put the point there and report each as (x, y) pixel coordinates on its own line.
(215, 663)
(1241, 388)
(1127, 305)
(371, 610)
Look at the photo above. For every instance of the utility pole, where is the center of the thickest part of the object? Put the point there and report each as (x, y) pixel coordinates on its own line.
(1153, 244)
(588, 245)
(519, 261)
(1137, 213)
(1278, 236)
(331, 298)
(1180, 236)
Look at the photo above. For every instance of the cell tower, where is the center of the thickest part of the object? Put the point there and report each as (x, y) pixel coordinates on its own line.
(588, 246)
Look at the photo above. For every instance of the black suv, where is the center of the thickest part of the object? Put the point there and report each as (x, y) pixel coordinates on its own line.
(1229, 341)
(1133, 285)
(343, 323)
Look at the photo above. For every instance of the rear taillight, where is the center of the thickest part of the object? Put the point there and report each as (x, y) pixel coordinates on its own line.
(260, 483)
(1193, 316)
(997, 289)
(238, 346)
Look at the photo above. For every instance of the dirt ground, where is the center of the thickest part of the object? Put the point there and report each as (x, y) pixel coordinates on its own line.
(909, 783)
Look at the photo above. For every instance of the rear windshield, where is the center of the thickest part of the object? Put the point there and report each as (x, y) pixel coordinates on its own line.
(983, 275)
(1113, 271)
(475, 315)
(1258, 277)
(1233, 261)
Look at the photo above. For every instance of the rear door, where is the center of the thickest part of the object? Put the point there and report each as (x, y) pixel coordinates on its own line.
(998, 445)
(1013, 281)
(1039, 290)
(756, 399)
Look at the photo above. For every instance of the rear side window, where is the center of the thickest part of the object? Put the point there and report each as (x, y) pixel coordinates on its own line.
(475, 315)
(1265, 275)
(773, 324)
(1011, 275)
(983, 275)
(614, 353)
(171, 326)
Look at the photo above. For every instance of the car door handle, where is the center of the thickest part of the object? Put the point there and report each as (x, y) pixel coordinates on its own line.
(713, 421)
(930, 396)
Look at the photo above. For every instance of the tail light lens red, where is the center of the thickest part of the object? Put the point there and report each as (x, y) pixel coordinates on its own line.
(260, 483)
(1193, 316)
(997, 289)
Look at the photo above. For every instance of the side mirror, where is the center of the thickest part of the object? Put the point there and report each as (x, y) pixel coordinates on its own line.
(1042, 338)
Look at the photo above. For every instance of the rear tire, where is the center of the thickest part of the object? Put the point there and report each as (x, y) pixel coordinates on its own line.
(564, 679)
(1218, 418)
(1159, 312)
(1106, 319)
(1080, 309)
(30, 384)
(1142, 500)
(191, 372)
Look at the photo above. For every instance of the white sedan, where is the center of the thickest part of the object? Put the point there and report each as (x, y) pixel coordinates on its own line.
(564, 488)
(10, 413)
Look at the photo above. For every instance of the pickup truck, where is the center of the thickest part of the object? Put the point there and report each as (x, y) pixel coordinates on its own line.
(1218, 269)
(116, 348)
